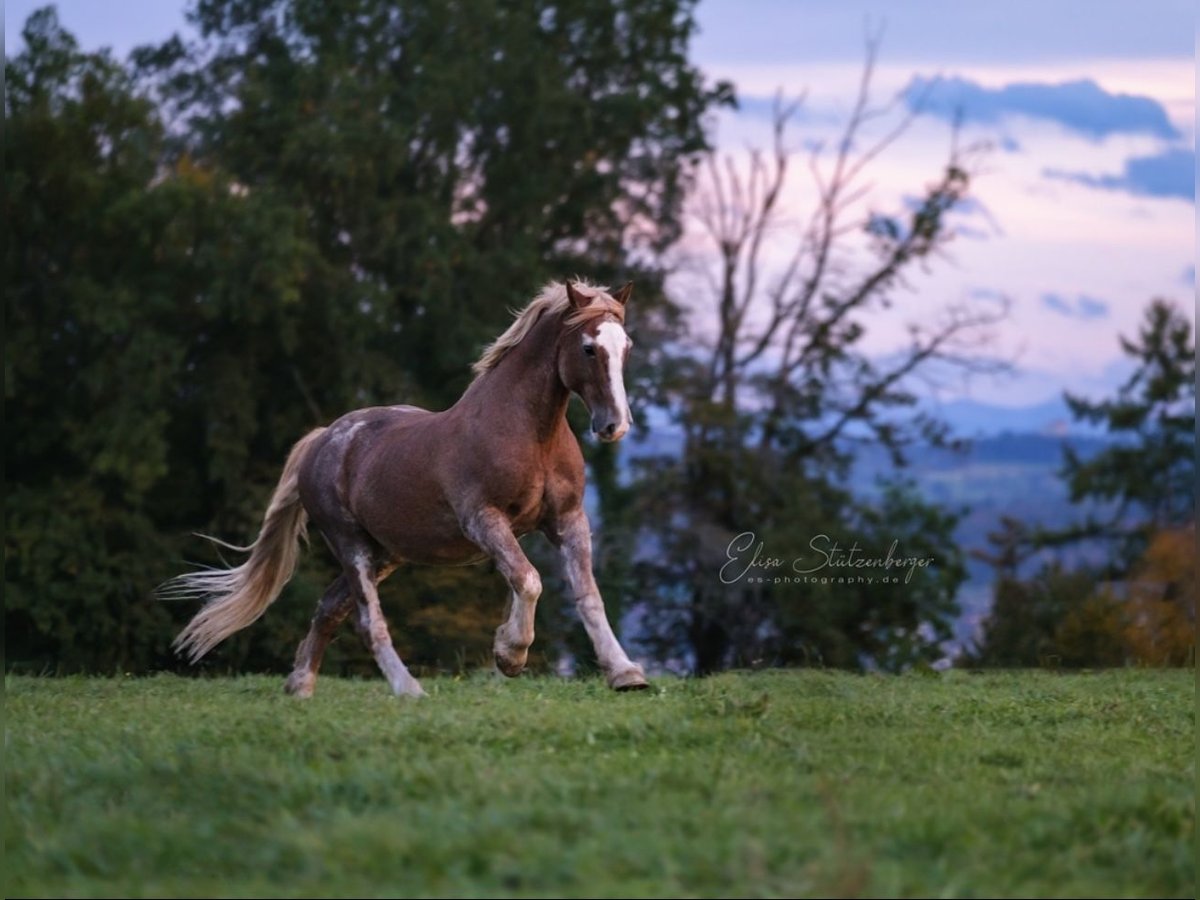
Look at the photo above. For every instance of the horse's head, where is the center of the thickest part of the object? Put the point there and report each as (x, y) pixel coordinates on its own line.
(591, 357)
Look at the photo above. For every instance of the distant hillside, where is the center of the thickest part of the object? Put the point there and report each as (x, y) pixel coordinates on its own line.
(970, 418)
(1013, 475)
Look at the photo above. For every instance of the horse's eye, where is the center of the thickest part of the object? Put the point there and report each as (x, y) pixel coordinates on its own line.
(589, 349)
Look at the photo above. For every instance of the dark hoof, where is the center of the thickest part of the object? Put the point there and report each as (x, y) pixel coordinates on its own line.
(508, 667)
(629, 680)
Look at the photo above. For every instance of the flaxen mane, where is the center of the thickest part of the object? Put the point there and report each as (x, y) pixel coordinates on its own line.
(552, 299)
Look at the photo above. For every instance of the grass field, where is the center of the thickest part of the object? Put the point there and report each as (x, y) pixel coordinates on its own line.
(769, 784)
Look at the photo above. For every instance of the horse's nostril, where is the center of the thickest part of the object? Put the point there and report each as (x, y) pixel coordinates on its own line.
(609, 430)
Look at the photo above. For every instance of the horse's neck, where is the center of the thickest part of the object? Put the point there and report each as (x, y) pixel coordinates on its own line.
(524, 389)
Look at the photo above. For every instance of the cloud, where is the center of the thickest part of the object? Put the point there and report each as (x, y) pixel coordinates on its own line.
(989, 294)
(972, 233)
(1188, 277)
(1082, 106)
(1083, 306)
(1171, 173)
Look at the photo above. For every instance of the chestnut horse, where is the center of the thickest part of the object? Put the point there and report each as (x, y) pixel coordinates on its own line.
(391, 485)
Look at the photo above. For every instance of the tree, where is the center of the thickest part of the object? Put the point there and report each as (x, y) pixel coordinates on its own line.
(1069, 618)
(307, 209)
(1146, 480)
(1140, 605)
(102, 285)
(772, 406)
(448, 158)
(1160, 621)
(1024, 626)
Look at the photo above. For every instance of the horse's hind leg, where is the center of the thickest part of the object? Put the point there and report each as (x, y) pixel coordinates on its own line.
(332, 610)
(373, 629)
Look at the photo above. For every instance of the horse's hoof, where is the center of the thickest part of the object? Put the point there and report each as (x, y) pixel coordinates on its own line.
(629, 680)
(299, 686)
(509, 667)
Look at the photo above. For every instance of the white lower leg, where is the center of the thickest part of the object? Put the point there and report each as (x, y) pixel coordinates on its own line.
(609, 652)
(374, 627)
(620, 671)
(515, 635)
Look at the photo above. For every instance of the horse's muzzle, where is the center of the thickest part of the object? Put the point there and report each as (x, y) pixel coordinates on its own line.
(610, 432)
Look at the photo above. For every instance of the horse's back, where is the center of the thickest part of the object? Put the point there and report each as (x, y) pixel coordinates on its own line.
(379, 467)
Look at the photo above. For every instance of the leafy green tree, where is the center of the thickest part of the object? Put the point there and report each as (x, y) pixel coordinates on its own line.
(447, 158)
(156, 334)
(809, 608)
(305, 209)
(1146, 480)
(83, 443)
(1071, 618)
(1139, 605)
(1025, 627)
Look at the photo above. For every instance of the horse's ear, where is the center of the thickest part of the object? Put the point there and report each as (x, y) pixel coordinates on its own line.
(578, 300)
(622, 296)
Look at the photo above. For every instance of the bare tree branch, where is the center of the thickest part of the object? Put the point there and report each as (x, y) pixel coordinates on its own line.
(787, 341)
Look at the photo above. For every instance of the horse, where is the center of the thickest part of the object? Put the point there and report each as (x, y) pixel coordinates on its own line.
(393, 485)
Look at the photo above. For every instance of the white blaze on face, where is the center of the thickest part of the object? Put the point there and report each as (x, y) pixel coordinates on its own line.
(612, 337)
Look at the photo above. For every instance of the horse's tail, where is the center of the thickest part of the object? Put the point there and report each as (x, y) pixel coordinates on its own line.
(236, 597)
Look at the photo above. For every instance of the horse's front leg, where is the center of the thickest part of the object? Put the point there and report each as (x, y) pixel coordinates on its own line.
(574, 539)
(490, 530)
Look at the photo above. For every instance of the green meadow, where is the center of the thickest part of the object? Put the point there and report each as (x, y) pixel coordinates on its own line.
(770, 784)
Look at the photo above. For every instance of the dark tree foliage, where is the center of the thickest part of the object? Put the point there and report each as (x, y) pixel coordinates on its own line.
(447, 157)
(1134, 606)
(813, 607)
(1147, 478)
(308, 208)
(1054, 618)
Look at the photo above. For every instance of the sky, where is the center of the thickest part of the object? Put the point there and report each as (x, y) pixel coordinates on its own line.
(1082, 209)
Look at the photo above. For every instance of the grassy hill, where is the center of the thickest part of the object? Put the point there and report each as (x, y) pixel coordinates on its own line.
(769, 784)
